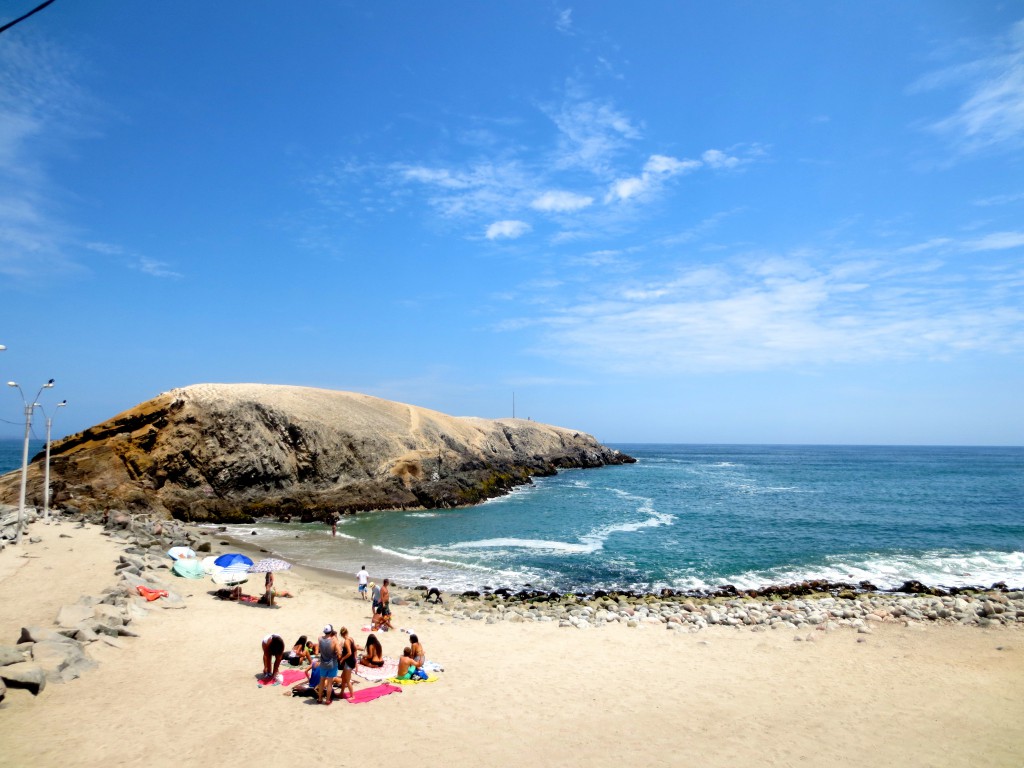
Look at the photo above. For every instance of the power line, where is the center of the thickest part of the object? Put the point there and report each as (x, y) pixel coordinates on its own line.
(37, 9)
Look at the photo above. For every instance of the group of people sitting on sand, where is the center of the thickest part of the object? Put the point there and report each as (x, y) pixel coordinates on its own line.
(332, 660)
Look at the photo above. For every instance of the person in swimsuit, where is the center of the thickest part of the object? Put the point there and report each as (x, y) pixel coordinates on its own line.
(330, 651)
(348, 662)
(374, 655)
(418, 654)
(406, 665)
(273, 652)
(299, 654)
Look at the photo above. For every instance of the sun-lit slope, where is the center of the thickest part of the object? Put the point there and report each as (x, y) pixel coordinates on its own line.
(225, 451)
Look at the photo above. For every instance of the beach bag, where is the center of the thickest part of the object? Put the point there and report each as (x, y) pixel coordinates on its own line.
(419, 674)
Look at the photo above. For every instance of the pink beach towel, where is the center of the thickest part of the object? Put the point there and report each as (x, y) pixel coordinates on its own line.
(364, 695)
(290, 676)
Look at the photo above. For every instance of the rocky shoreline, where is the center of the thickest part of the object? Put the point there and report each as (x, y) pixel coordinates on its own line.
(820, 610)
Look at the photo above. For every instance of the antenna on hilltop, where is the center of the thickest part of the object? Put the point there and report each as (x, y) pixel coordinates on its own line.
(513, 405)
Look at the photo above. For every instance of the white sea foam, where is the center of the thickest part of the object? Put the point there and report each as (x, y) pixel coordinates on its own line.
(540, 545)
(590, 542)
(935, 568)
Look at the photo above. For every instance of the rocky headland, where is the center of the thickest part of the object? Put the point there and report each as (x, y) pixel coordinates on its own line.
(235, 452)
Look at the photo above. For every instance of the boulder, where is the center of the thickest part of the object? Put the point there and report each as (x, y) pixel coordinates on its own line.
(74, 615)
(62, 662)
(9, 655)
(41, 634)
(24, 675)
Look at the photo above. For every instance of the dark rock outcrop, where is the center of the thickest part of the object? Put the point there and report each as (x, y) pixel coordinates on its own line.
(233, 452)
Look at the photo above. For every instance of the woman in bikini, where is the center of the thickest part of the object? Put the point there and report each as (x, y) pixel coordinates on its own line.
(347, 662)
(374, 655)
(299, 654)
(418, 654)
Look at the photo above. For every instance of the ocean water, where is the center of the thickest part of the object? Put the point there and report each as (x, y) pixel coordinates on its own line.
(11, 451)
(696, 517)
(700, 516)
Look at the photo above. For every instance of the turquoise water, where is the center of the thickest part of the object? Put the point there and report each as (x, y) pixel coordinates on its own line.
(695, 517)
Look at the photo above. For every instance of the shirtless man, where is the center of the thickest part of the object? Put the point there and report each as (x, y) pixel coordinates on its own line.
(406, 665)
(385, 606)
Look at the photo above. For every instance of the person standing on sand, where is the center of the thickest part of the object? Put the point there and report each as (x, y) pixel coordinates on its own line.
(385, 605)
(362, 578)
(347, 662)
(268, 583)
(330, 652)
(374, 598)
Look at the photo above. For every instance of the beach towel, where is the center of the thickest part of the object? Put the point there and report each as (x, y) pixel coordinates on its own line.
(364, 695)
(290, 677)
(377, 674)
(396, 681)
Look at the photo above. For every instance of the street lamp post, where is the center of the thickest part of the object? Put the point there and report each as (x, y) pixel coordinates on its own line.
(46, 481)
(29, 407)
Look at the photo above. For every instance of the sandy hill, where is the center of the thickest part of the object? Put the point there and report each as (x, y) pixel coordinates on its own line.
(221, 452)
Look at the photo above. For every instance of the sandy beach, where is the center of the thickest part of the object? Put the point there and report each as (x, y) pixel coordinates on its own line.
(184, 691)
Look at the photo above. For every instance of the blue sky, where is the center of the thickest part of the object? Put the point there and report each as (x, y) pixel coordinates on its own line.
(662, 221)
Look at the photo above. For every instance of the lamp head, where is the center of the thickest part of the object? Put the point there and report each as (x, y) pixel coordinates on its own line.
(48, 384)
(12, 383)
(2, 347)
(62, 403)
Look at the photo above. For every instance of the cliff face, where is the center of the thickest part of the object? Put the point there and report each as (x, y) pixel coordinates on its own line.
(226, 452)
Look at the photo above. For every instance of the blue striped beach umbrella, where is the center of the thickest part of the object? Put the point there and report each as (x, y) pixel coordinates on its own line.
(232, 558)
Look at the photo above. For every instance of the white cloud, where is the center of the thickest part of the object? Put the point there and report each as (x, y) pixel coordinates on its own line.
(40, 108)
(996, 241)
(482, 189)
(992, 115)
(507, 230)
(778, 313)
(1000, 199)
(715, 158)
(559, 201)
(591, 133)
(155, 268)
(657, 169)
(623, 189)
(564, 21)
